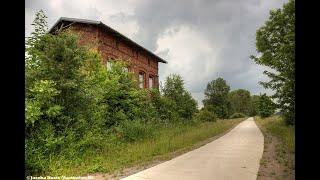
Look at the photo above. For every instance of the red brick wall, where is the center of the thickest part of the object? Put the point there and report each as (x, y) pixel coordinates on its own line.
(112, 47)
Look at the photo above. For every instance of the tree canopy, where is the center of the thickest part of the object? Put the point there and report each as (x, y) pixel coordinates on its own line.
(174, 90)
(240, 101)
(275, 42)
(216, 97)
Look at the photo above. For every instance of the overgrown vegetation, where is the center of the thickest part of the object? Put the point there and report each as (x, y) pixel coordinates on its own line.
(78, 111)
(82, 117)
(117, 155)
(277, 126)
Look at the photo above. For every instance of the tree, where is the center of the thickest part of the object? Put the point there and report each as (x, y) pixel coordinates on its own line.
(266, 106)
(216, 97)
(71, 99)
(254, 104)
(174, 89)
(239, 101)
(275, 41)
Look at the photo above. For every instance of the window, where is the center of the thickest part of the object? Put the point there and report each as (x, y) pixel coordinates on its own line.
(150, 81)
(109, 65)
(141, 79)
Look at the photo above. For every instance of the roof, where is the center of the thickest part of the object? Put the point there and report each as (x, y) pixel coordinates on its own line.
(109, 29)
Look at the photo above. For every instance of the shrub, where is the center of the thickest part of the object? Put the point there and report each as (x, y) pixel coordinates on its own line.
(205, 115)
(131, 131)
(237, 115)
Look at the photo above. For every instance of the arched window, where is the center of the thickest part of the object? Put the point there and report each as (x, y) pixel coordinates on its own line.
(141, 79)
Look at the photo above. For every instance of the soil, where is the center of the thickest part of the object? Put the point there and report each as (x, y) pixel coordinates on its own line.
(276, 162)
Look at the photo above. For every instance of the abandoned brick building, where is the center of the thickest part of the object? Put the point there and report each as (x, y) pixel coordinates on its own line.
(112, 45)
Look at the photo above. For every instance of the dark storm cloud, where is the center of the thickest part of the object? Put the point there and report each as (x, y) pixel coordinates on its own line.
(223, 34)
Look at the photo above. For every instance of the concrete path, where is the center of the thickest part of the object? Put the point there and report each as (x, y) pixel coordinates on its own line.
(235, 155)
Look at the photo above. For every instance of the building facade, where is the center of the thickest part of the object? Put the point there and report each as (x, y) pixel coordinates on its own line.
(112, 46)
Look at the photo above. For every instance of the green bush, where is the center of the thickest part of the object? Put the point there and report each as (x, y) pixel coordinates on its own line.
(75, 105)
(136, 130)
(237, 115)
(206, 116)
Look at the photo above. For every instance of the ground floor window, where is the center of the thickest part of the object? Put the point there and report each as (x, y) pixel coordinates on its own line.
(141, 79)
(109, 65)
(151, 81)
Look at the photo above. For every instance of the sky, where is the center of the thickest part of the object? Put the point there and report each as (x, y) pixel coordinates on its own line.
(201, 39)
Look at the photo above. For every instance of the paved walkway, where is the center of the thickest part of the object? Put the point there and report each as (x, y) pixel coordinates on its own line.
(236, 155)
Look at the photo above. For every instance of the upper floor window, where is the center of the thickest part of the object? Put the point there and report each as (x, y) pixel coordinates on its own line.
(141, 79)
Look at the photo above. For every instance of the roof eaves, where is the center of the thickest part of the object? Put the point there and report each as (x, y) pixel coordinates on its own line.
(107, 27)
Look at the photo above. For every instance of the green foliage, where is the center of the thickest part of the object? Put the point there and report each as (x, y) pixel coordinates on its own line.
(131, 131)
(117, 155)
(216, 96)
(75, 105)
(205, 115)
(266, 106)
(240, 101)
(237, 115)
(39, 102)
(174, 90)
(254, 105)
(275, 41)
(165, 107)
(278, 127)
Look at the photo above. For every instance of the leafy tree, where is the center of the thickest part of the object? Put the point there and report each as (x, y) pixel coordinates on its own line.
(266, 106)
(275, 41)
(70, 96)
(165, 106)
(216, 97)
(254, 104)
(174, 89)
(239, 101)
(204, 115)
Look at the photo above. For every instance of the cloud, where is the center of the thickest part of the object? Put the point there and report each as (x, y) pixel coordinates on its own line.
(200, 39)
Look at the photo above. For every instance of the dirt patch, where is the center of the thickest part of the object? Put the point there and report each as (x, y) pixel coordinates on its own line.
(156, 160)
(276, 162)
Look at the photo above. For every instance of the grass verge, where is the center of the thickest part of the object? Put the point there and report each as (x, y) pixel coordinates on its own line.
(278, 160)
(170, 140)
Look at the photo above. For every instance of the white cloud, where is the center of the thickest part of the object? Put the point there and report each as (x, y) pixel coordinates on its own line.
(189, 54)
(208, 40)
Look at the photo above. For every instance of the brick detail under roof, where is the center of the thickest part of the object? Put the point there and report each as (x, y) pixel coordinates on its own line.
(110, 46)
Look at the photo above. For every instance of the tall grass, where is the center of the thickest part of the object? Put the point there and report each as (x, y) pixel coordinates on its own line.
(278, 128)
(117, 155)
